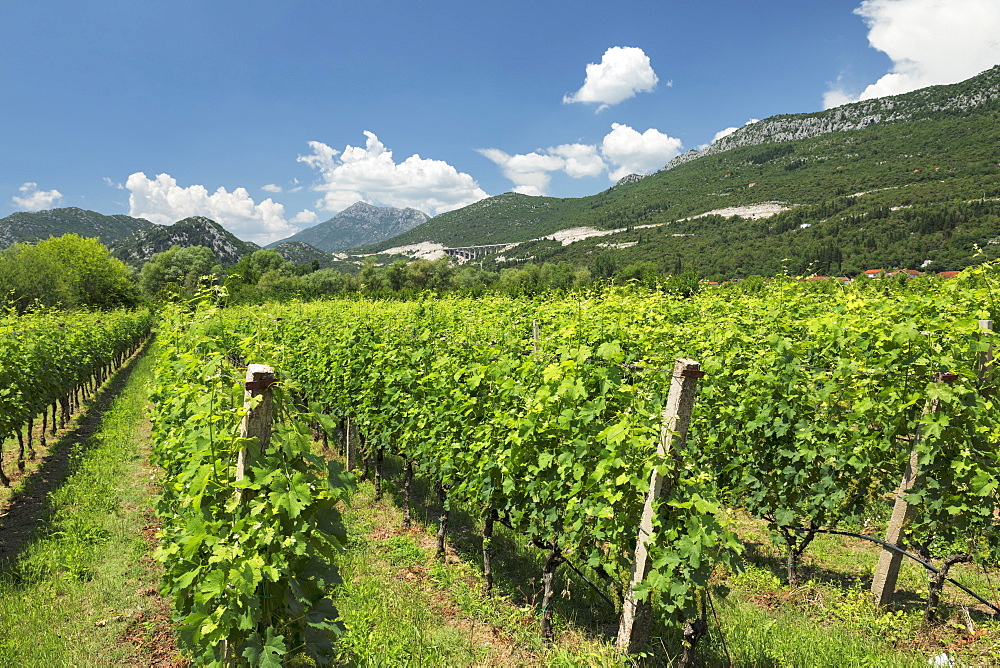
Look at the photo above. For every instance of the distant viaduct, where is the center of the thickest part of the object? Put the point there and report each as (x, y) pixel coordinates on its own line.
(475, 252)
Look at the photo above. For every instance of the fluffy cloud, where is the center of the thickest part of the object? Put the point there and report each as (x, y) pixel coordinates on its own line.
(930, 42)
(162, 201)
(580, 159)
(306, 217)
(271, 188)
(530, 172)
(622, 72)
(623, 151)
(371, 174)
(633, 152)
(33, 199)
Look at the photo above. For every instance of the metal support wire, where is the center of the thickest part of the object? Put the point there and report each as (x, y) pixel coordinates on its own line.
(592, 585)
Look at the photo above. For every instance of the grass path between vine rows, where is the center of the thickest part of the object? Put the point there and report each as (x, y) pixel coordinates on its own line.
(77, 584)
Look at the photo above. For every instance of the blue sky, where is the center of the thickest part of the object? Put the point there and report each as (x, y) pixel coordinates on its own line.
(272, 116)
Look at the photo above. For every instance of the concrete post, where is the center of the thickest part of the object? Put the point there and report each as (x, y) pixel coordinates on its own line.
(676, 417)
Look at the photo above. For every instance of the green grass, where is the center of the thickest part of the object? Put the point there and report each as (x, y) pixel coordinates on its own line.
(86, 579)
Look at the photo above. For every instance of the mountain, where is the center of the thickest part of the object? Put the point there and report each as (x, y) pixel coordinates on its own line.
(357, 225)
(39, 225)
(194, 231)
(905, 181)
(300, 252)
(923, 104)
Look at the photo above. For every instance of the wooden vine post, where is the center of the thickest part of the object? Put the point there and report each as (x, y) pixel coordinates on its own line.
(256, 423)
(676, 417)
(887, 571)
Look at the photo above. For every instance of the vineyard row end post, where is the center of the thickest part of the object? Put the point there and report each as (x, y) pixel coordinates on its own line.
(676, 418)
(256, 424)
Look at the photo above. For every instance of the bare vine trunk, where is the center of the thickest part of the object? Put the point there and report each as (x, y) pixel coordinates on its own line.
(548, 580)
(65, 410)
(936, 584)
(797, 544)
(20, 451)
(4, 480)
(694, 630)
(442, 521)
(407, 486)
(379, 454)
(488, 521)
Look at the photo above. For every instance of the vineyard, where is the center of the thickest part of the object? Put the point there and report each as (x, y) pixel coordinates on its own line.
(546, 417)
(52, 362)
(628, 438)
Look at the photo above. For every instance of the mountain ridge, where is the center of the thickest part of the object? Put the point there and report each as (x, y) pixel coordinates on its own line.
(32, 226)
(357, 225)
(192, 231)
(916, 105)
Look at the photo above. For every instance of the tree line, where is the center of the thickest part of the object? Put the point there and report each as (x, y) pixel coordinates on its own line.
(73, 272)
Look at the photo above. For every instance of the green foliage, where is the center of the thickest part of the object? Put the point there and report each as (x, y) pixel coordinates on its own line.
(249, 270)
(178, 271)
(248, 562)
(68, 271)
(813, 394)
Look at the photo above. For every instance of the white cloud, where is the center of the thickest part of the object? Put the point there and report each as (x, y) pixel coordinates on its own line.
(622, 72)
(305, 217)
(271, 188)
(580, 159)
(623, 151)
(836, 97)
(33, 199)
(530, 172)
(113, 184)
(930, 42)
(633, 152)
(162, 201)
(371, 174)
